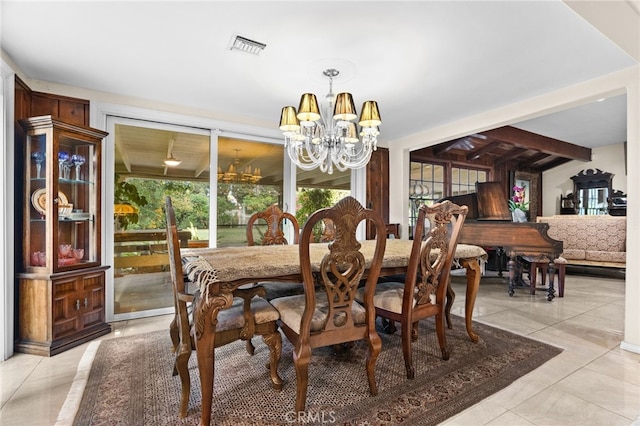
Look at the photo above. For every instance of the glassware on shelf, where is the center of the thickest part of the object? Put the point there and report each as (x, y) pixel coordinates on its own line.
(64, 250)
(63, 158)
(38, 258)
(78, 253)
(77, 160)
(38, 158)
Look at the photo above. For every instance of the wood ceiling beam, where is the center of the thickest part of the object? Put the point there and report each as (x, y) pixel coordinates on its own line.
(202, 167)
(515, 152)
(529, 162)
(488, 148)
(444, 147)
(553, 163)
(524, 139)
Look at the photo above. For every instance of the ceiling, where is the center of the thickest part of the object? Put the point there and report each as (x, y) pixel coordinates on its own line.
(427, 63)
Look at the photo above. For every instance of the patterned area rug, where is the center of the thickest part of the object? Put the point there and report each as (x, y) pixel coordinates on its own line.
(131, 383)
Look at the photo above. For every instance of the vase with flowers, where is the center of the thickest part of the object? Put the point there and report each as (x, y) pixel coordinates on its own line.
(518, 205)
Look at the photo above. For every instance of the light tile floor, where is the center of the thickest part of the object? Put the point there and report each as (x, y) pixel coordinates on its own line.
(592, 382)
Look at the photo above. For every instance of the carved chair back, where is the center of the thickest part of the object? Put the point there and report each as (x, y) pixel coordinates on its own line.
(249, 315)
(435, 239)
(423, 292)
(274, 234)
(331, 317)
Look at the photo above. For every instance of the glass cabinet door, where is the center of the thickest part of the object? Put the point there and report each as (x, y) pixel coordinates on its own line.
(61, 218)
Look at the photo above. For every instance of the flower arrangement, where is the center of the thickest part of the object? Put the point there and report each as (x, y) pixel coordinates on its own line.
(517, 200)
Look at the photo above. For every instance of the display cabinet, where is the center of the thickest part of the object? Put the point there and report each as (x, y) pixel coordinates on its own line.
(61, 282)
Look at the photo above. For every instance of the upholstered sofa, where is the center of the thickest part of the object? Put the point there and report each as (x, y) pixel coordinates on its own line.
(598, 240)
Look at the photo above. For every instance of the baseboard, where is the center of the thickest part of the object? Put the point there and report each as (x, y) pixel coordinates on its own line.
(630, 347)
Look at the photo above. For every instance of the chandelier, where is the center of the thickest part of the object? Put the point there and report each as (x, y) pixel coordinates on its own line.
(234, 175)
(330, 139)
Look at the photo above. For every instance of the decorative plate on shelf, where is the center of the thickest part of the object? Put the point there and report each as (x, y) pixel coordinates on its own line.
(39, 200)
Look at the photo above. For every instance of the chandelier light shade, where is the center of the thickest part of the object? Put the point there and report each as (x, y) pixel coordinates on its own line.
(345, 109)
(330, 139)
(308, 109)
(289, 120)
(247, 175)
(370, 116)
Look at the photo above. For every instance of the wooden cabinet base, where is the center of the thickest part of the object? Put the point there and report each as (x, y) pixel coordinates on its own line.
(60, 311)
(57, 346)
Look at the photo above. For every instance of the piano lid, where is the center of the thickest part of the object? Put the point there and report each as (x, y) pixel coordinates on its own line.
(492, 203)
(487, 203)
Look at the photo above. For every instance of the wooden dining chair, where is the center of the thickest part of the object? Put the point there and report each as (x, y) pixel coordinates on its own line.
(274, 218)
(423, 292)
(249, 315)
(274, 234)
(331, 317)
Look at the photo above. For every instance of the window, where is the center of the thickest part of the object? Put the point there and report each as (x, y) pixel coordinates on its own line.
(463, 181)
(429, 182)
(426, 186)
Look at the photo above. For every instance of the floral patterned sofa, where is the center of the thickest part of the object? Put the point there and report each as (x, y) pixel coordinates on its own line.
(590, 240)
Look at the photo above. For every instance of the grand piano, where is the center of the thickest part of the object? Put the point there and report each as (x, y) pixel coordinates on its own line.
(489, 224)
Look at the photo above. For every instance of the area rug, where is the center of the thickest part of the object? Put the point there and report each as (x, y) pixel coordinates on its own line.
(130, 382)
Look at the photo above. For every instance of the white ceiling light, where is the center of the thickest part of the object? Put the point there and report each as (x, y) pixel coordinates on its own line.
(172, 161)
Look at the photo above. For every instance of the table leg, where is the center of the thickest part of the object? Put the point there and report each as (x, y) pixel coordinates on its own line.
(473, 283)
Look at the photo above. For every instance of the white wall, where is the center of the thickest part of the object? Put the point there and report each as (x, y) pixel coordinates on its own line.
(557, 181)
(7, 202)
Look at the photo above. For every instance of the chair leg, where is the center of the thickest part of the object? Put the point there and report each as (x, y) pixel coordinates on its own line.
(389, 326)
(274, 342)
(301, 358)
(414, 332)
(182, 367)
(375, 347)
(249, 347)
(451, 297)
(406, 332)
(442, 338)
(174, 333)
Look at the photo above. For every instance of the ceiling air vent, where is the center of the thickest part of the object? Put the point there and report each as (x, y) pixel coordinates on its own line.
(246, 45)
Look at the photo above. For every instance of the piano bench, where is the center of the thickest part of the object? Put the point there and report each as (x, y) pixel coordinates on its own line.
(560, 266)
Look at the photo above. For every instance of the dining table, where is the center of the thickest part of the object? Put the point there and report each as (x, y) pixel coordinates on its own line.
(217, 272)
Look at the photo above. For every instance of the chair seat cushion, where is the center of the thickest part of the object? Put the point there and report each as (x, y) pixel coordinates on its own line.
(275, 290)
(233, 318)
(292, 307)
(388, 296)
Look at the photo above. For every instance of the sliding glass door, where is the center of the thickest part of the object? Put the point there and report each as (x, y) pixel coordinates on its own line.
(141, 177)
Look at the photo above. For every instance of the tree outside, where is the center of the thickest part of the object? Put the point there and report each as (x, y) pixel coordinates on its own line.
(236, 202)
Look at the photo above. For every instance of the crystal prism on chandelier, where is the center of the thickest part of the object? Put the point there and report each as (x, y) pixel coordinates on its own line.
(330, 139)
